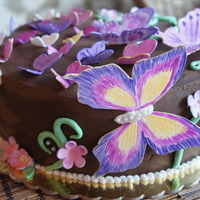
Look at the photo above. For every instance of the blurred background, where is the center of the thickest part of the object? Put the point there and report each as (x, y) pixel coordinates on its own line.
(23, 10)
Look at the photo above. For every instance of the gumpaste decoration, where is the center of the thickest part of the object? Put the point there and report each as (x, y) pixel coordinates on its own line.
(74, 68)
(72, 154)
(25, 37)
(42, 62)
(188, 33)
(194, 104)
(49, 15)
(49, 27)
(195, 65)
(8, 48)
(2, 36)
(17, 157)
(109, 15)
(133, 28)
(69, 43)
(44, 40)
(134, 52)
(96, 54)
(156, 18)
(109, 87)
(77, 16)
(59, 138)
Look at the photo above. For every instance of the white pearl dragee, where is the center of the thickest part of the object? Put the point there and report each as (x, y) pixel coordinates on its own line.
(134, 116)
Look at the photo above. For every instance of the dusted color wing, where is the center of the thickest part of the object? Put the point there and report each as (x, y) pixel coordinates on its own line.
(106, 87)
(166, 133)
(44, 61)
(155, 76)
(120, 150)
(138, 34)
(137, 19)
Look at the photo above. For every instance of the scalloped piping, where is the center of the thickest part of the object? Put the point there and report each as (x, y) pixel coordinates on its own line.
(118, 181)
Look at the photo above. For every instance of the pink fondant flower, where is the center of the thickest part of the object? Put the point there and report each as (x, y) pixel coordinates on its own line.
(7, 148)
(194, 104)
(20, 159)
(72, 155)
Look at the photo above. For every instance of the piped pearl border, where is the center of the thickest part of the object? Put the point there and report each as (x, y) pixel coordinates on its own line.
(115, 181)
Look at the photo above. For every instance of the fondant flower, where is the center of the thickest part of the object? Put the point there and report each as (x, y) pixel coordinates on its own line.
(72, 155)
(20, 159)
(7, 148)
(194, 104)
(108, 15)
(188, 33)
(96, 54)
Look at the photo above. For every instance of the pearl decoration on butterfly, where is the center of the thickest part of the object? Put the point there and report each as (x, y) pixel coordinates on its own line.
(134, 116)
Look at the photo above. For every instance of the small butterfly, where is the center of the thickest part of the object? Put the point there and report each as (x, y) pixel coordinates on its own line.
(8, 48)
(24, 37)
(188, 33)
(109, 87)
(45, 40)
(49, 15)
(134, 52)
(132, 28)
(42, 62)
(74, 68)
(95, 54)
(77, 16)
(49, 27)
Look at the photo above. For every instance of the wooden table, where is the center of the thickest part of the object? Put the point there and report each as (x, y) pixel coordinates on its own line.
(11, 190)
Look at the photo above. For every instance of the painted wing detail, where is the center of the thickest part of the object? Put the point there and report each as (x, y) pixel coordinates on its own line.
(166, 133)
(120, 150)
(106, 87)
(155, 76)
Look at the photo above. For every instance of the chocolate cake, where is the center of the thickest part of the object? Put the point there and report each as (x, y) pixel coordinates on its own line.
(31, 104)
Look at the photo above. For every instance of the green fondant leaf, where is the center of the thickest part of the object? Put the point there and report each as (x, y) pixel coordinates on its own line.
(56, 165)
(29, 172)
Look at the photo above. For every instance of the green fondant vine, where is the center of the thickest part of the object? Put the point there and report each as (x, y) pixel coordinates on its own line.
(58, 137)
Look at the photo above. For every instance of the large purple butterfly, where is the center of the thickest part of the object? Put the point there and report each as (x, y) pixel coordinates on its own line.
(109, 87)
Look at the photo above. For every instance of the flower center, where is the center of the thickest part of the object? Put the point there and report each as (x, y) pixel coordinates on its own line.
(134, 116)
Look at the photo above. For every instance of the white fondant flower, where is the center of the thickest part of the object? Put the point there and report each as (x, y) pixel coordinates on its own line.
(194, 104)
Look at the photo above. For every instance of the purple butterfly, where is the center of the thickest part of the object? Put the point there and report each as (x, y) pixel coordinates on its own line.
(133, 28)
(96, 54)
(42, 62)
(51, 27)
(24, 37)
(188, 33)
(109, 87)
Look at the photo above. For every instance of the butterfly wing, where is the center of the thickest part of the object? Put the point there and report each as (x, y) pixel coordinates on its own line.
(25, 37)
(119, 150)
(166, 133)
(8, 48)
(155, 76)
(44, 61)
(106, 87)
(138, 34)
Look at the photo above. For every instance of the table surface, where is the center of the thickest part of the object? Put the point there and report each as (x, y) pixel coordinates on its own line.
(11, 190)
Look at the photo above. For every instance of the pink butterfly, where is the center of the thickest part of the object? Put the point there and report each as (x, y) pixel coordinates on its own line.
(109, 87)
(135, 52)
(188, 33)
(25, 37)
(8, 48)
(42, 62)
(74, 68)
(77, 16)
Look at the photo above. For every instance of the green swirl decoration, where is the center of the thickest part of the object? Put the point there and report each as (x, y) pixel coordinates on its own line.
(58, 137)
(195, 65)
